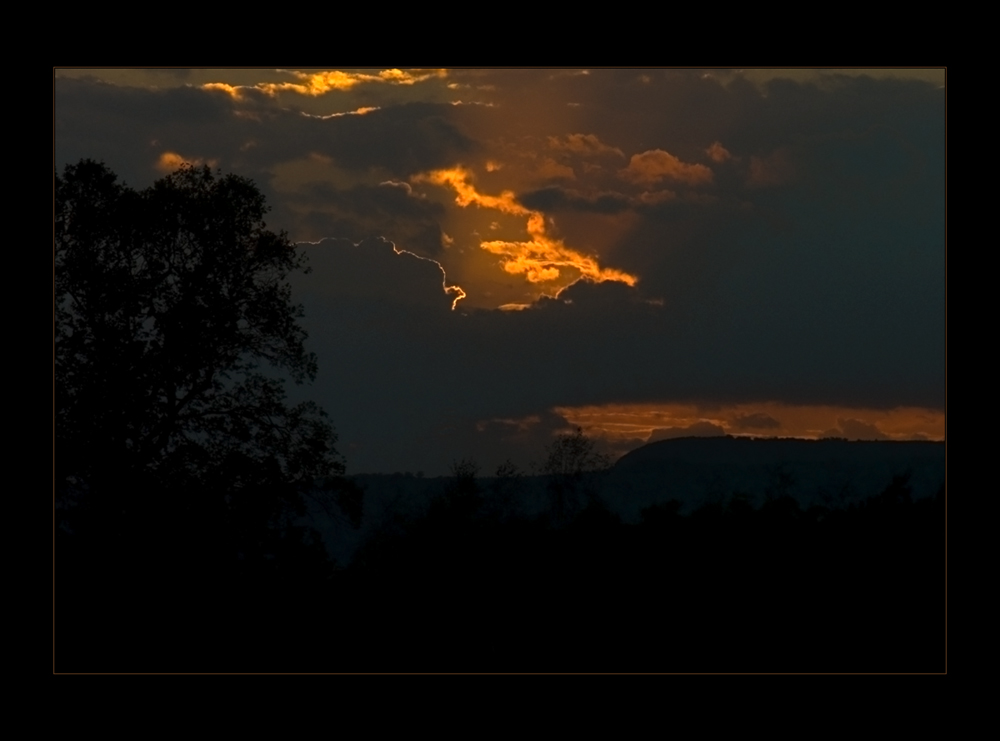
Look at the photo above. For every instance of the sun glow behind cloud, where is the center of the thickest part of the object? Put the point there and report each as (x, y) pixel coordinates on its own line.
(541, 258)
(170, 161)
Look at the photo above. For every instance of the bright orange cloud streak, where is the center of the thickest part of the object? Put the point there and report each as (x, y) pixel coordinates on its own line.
(539, 258)
(321, 83)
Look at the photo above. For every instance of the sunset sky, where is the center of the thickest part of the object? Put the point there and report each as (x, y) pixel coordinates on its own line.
(501, 255)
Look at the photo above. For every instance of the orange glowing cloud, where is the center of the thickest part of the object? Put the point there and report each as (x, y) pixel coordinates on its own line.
(231, 90)
(170, 161)
(539, 258)
(321, 83)
(655, 165)
(764, 419)
(718, 153)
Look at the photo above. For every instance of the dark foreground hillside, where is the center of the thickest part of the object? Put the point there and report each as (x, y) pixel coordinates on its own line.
(728, 588)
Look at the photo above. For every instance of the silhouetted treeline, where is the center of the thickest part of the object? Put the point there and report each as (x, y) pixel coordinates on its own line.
(729, 587)
(471, 586)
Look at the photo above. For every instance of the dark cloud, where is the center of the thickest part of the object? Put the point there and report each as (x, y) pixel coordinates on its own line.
(555, 199)
(388, 211)
(698, 429)
(403, 140)
(755, 421)
(839, 271)
(399, 369)
(373, 273)
(856, 429)
(130, 127)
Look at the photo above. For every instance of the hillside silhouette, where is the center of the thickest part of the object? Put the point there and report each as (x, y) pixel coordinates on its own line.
(830, 472)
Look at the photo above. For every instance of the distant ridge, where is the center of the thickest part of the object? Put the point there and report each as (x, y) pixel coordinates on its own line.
(828, 472)
(774, 449)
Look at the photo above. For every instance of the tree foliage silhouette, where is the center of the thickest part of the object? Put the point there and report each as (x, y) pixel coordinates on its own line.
(573, 454)
(173, 326)
(570, 458)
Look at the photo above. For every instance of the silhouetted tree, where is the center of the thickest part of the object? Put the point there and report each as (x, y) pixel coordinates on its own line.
(173, 326)
(462, 498)
(569, 460)
(465, 472)
(508, 485)
(898, 493)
